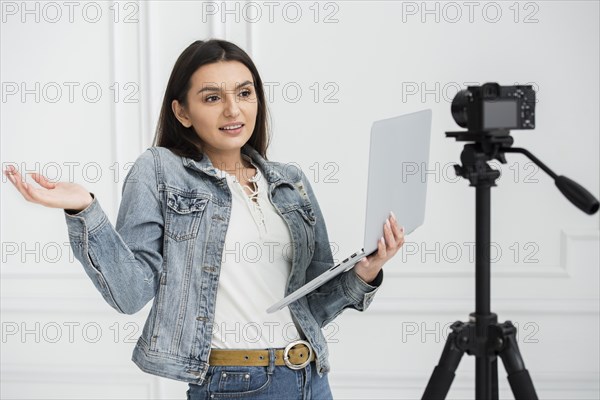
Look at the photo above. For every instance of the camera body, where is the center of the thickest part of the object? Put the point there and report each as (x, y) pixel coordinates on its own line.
(493, 107)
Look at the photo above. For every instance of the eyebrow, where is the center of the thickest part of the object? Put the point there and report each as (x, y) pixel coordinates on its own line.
(216, 89)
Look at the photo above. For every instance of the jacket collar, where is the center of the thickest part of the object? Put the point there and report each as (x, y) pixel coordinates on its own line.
(269, 169)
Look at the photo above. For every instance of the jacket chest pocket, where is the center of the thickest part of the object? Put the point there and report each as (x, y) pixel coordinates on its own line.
(184, 213)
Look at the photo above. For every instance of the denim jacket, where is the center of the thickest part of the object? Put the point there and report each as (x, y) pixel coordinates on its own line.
(167, 245)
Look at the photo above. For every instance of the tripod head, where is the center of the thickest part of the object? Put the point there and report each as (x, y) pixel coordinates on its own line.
(489, 112)
(492, 145)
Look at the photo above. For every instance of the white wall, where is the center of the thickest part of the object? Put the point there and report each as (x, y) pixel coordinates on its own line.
(369, 60)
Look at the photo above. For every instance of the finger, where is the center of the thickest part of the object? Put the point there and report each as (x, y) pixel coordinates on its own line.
(389, 235)
(32, 194)
(12, 174)
(29, 192)
(9, 172)
(21, 186)
(382, 252)
(42, 181)
(398, 231)
(35, 194)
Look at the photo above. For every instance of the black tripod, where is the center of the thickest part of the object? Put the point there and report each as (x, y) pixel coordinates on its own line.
(483, 336)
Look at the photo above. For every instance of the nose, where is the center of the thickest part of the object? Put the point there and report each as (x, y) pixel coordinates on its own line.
(232, 108)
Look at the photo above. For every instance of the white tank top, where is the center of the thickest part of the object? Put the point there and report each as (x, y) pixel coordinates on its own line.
(255, 266)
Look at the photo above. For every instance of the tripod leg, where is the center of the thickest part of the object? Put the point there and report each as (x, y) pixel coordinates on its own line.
(483, 378)
(495, 379)
(518, 377)
(485, 361)
(443, 374)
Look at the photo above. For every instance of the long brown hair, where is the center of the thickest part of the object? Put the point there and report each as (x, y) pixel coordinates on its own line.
(170, 133)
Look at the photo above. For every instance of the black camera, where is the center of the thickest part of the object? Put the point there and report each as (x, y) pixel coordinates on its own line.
(492, 107)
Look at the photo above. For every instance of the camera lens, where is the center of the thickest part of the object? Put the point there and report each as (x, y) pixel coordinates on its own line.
(459, 107)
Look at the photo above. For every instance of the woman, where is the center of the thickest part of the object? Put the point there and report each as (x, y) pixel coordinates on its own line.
(215, 234)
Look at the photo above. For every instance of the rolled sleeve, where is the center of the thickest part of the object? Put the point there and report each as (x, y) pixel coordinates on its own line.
(89, 219)
(358, 291)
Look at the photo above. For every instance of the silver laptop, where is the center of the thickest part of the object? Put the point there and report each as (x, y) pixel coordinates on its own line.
(398, 161)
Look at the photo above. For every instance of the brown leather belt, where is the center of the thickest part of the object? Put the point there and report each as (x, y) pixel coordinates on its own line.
(296, 355)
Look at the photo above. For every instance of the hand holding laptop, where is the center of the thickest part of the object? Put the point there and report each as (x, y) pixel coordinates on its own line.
(387, 247)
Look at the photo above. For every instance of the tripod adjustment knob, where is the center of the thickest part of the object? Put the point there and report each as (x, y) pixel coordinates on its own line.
(499, 343)
(458, 169)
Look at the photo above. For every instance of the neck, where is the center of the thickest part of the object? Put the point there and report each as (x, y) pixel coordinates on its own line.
(230, 162)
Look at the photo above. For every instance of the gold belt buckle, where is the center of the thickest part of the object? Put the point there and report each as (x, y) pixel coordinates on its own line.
(286, 358)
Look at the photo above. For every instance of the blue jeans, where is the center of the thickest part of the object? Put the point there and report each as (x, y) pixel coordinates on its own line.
(270, 382)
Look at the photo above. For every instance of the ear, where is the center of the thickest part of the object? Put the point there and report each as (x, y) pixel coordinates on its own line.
(181, 114)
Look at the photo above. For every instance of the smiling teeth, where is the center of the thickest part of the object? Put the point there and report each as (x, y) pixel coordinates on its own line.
(229, 128)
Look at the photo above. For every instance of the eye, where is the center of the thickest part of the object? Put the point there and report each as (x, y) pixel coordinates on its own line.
(247, 93)
(207, 99)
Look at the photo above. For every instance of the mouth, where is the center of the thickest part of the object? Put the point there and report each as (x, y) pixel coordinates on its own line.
(232, 127)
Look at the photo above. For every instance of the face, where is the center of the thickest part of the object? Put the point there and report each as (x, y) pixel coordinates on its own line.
(221, 94)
